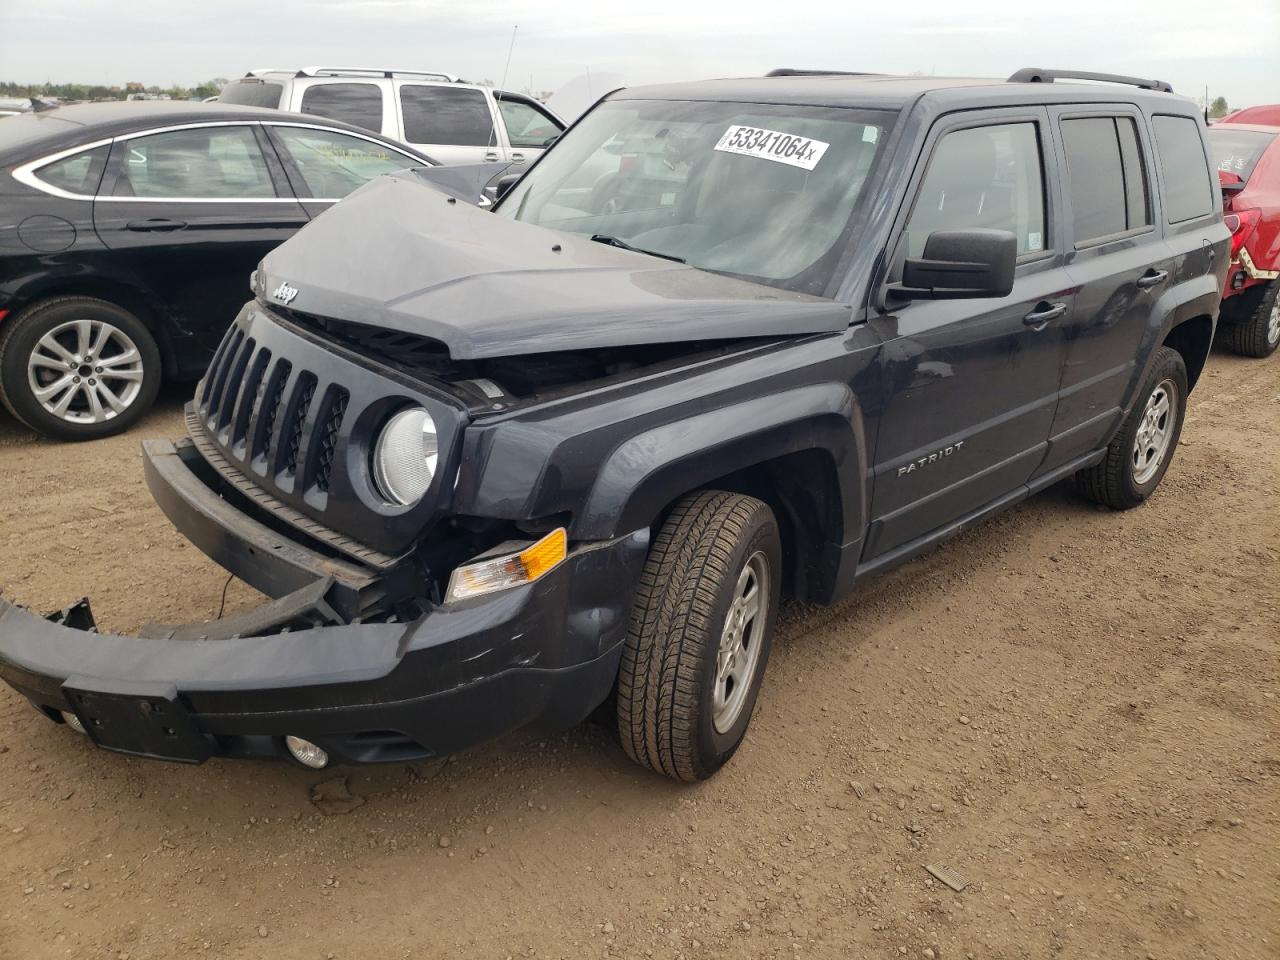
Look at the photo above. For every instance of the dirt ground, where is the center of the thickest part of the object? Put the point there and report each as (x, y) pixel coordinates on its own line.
(1077, 709)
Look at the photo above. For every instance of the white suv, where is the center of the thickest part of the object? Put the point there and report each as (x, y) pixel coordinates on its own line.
(453, 121)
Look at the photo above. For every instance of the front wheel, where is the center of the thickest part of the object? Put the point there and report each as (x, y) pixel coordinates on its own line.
(78, 368)
(1139, 454)
(700, 634)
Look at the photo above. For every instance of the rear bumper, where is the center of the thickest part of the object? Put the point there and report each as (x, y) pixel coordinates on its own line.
(544, 654)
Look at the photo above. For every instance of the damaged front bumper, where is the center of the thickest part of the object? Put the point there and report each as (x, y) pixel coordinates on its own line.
(543, 654)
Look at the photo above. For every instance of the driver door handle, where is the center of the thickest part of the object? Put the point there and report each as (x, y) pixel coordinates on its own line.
(156, 224)
(1152, 278)
(1043, 313)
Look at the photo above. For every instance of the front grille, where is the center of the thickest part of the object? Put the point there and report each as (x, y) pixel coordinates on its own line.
(284, 416)
(270, 418)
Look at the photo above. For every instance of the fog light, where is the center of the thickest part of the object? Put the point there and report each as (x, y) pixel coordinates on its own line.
(307, 753)
(72, 721)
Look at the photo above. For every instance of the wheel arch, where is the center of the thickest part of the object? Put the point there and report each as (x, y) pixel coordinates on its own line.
(1193, 339)
(801, 451)
(121, 293)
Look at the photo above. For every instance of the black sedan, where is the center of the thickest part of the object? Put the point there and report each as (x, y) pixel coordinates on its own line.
(128, 233)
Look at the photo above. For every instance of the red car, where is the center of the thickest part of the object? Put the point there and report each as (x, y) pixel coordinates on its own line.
(1248, 157)
(1268, 113)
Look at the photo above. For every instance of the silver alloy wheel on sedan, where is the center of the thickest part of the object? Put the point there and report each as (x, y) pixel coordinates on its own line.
(1151, 445)
(85, 371)
(740, 642)
(1273, 324)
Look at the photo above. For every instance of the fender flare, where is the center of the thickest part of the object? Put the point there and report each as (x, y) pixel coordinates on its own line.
(646, 473)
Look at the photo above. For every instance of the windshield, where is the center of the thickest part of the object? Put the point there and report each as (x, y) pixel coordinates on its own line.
(1238, 151)
(762, 191)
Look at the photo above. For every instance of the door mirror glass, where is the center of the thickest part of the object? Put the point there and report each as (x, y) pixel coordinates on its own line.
(960, 264)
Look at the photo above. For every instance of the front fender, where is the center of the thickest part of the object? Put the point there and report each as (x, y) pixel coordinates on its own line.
(652, 469)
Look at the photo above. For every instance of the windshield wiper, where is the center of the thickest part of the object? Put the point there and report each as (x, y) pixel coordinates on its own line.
(616, 242)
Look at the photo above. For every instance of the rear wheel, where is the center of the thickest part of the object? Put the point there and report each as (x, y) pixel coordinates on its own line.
(77, 368)
(1251, 324)
(1140, 452)
(700, 635)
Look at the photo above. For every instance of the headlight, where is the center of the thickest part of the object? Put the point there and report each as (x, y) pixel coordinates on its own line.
(405, 456)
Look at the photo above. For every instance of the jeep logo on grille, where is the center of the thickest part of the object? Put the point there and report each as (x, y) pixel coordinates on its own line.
(285, 293)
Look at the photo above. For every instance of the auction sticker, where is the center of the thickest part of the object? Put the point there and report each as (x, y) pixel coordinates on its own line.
(787, 148)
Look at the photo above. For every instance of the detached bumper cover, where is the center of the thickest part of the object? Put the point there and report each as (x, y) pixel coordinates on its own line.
(544, 654)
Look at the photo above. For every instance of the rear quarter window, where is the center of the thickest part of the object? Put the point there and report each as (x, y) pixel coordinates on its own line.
(79, 173)
(1189, 192)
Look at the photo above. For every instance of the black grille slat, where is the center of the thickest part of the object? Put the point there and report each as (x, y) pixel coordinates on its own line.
(325, 439)
(231, 387)
(269, 411)
(292, 429)
(250, 396)
(224, 365)
(214, 365)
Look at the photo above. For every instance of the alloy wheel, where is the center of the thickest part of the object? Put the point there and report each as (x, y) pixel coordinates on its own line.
(740, 642)
(1155, 430)
(85, 371)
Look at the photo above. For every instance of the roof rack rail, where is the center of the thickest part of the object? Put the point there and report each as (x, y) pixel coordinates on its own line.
(375, 72)
(1038, 75)
(799, 72)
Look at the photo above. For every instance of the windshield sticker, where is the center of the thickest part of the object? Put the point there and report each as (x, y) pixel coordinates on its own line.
(787, 148)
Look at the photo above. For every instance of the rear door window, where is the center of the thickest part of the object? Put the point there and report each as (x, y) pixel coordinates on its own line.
(1106, 177)
(990, 177)
(359, 104)
(1189, 192)
(457, 116)
(332, 164)
(201, 162)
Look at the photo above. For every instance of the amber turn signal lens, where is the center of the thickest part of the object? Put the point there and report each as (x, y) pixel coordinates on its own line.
(509, 570)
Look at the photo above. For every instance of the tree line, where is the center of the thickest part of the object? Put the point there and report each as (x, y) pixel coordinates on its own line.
(88, 91)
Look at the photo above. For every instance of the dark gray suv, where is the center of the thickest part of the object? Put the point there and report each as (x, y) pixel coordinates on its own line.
(725, 342)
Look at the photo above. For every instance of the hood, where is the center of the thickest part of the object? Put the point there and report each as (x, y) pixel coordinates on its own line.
(401, 255)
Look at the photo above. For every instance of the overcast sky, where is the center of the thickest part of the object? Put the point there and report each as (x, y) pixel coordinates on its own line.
(176, 41)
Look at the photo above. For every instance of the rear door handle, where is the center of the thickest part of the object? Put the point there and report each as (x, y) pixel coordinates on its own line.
(1043, 313)
(156, 225)
(517, 158)
(1152, 278)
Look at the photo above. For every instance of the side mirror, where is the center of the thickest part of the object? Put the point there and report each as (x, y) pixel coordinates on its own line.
(504, 183)
(961, 264)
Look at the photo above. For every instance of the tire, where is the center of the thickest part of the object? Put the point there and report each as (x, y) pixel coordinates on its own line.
(1140, 453)
(35, 346)
(708, 552)
(1252, 321)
